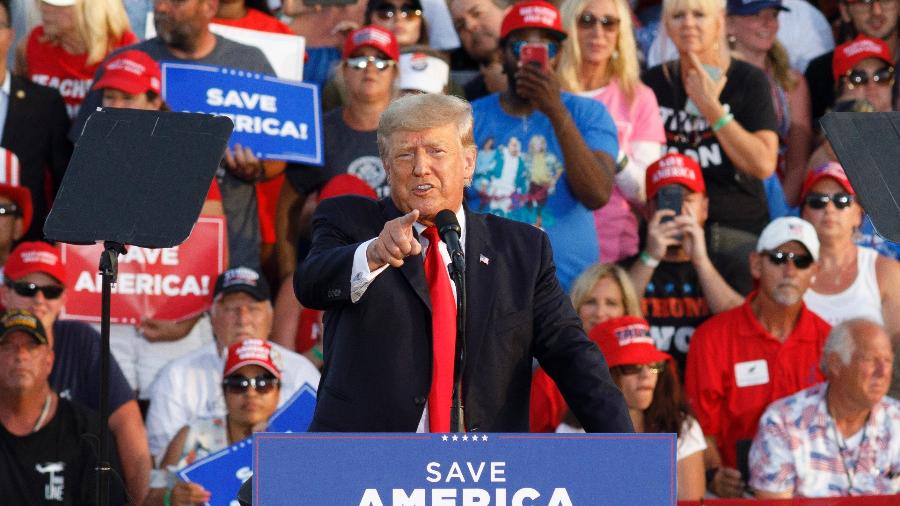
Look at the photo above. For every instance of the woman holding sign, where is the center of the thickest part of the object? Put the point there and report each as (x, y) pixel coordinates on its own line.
(251, 382)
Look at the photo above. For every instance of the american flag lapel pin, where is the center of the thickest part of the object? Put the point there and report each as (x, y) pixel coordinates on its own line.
(483, 259)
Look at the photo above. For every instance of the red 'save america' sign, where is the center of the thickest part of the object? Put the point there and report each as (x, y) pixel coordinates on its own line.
(167, 284)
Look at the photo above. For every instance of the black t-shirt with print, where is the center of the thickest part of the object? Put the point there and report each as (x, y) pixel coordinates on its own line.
(674, 304)
(736, 200)
(56, 464)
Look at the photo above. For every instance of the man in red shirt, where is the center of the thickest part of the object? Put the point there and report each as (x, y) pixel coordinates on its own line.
(767, 348)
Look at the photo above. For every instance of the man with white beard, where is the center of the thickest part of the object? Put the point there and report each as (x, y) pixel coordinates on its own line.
(767, 348)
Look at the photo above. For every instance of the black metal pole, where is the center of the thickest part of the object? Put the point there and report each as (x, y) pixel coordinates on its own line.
(109, 266)
(457, 409)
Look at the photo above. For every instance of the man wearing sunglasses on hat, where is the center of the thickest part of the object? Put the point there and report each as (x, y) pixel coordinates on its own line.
(566, 163)
(34, 281)
(190, 387)
(47, 452)
(863, 69)
(369, 70)
(251, 383)
(767, 348)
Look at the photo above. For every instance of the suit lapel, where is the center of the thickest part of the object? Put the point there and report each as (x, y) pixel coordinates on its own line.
(413, 269)
(481, 285)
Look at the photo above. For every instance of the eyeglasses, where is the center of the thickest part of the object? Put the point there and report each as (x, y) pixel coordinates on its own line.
(363, 62)
(587, 21)
(387, 11)
(841, 200)
(862, 5)
(237, 384)
(631, 369)
(883, 76)
(780, 258)
(516, 46)
(26, 289)
(9, 209)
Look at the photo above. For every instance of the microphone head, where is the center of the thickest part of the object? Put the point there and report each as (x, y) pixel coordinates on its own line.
(446, 221)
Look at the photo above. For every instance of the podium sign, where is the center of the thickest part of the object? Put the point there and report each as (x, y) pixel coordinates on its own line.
(464, 469)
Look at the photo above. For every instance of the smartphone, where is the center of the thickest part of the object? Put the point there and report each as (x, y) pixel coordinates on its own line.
(670, 197)
(535, 52)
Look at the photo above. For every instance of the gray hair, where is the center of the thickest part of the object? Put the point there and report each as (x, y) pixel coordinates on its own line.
(841, 341)
(415, 113)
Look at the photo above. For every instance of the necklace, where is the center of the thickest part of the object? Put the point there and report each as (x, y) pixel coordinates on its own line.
(44, 411)
(842, 449)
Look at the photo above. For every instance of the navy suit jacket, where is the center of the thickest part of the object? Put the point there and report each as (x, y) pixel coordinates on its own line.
(377, 371)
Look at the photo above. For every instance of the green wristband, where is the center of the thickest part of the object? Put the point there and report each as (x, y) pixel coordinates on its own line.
(167, 499)
(724, 120)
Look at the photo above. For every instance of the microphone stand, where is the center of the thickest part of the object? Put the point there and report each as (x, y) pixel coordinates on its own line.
(457, 274)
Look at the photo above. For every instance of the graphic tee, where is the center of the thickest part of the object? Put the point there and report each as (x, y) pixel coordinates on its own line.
(520, 174)
(736, 199)
(51, 65)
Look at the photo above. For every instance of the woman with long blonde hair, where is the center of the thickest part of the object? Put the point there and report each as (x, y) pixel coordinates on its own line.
(718, 110)
(66, 49)
(599, 60)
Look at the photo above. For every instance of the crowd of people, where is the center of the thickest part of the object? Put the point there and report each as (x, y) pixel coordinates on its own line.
(711, 243)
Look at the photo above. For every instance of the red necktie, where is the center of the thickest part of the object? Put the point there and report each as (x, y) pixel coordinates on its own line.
(443, 333)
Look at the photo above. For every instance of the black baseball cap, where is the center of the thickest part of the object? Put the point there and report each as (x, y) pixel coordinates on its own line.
(24, 321)
(242, 279)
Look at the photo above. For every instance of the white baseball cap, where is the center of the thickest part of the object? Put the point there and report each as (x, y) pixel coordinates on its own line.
(422, 72)
(787, 229)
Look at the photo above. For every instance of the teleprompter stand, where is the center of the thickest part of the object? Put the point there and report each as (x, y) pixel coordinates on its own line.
(136, 178)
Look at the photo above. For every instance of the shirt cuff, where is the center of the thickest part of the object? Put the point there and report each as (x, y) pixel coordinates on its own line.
(361, 276)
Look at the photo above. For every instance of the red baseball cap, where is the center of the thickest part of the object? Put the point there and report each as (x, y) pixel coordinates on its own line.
(674, 168)
(849, 54)
(831, 170)
(132, 71)
(626, 340)
(252, 352)
(346, 184)
(372, 36)
(34, 256)
(9, 186)
(532, 14)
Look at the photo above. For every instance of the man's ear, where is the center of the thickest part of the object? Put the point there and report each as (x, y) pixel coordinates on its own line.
(755, 265)
(470, 153)
(845, 14)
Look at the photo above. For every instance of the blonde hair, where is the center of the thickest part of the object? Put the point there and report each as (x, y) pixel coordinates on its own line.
(419, 112)
(780, 64)
(100, 26)
(710, 7)
(624, 67)
(584, 285)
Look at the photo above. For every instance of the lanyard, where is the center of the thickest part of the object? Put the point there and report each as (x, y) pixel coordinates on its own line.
(842, 448)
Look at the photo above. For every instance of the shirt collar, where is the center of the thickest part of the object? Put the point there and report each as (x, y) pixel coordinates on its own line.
(6, 84)
(460, 217)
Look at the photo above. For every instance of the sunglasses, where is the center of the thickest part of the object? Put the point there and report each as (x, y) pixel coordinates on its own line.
(780, 258)
(856, 78)
(237, 384)
(631, 369)
(387, 11)
(363, 62)
(10, 210)
(841, 200)
(588, 21)
(26, 289)
(516, 46)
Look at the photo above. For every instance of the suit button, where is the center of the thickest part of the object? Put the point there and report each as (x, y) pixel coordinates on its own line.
(419, 400)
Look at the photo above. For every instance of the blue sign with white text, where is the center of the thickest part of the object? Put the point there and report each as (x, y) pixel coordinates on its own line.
(277, 119)
(223, 472)
(464, 469)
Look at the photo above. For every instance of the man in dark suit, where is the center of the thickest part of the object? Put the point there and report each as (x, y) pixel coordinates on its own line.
(35, 124)
(365, 269)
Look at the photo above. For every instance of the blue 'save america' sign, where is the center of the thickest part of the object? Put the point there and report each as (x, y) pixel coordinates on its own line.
(275, 118)
(464, 469)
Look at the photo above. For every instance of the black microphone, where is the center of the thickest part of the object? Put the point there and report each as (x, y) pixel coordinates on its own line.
(448, 228)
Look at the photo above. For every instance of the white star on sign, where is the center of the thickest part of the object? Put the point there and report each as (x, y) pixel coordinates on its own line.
(444, 437)
(465, 438)
(455, 438)
(484, 437)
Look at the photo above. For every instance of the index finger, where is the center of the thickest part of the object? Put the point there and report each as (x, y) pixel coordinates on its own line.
(660, 214)
(410, 217)
(694, 60)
